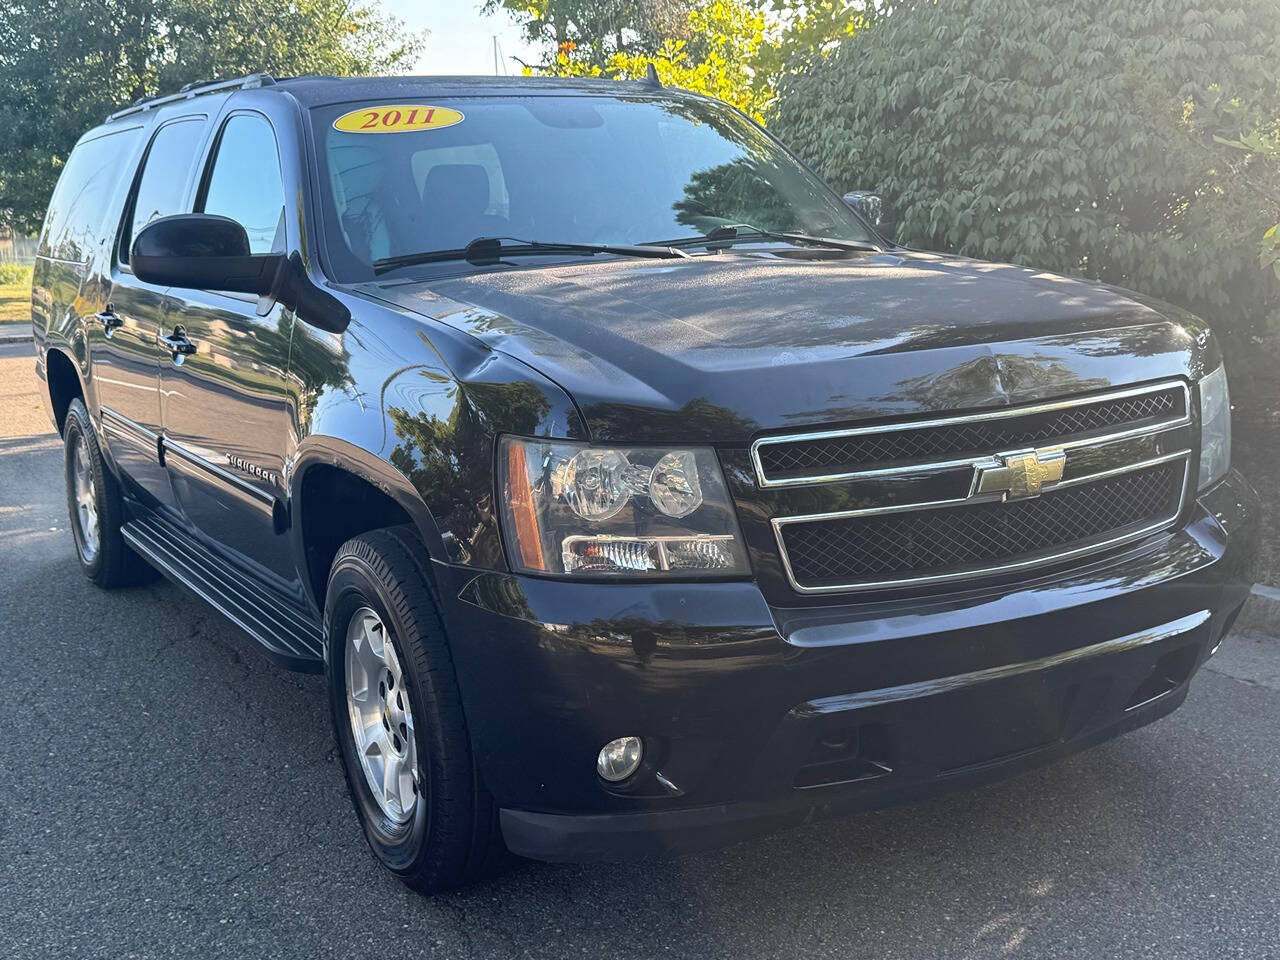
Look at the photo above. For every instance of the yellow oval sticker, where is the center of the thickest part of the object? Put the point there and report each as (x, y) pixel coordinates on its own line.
(397, 118)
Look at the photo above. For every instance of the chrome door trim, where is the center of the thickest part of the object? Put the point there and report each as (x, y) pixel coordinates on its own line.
(116, 424)
(900, 426)
(225, 476)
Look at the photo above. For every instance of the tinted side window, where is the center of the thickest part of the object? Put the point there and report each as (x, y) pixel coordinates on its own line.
(78, 206)
(165, 170)
(245, 182)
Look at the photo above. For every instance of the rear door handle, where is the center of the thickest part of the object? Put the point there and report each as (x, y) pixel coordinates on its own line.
(178, 345)
(109, 320)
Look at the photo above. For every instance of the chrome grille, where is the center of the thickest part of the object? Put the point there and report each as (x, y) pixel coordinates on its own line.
(844, 454)
(1010, 489)
(953, 541)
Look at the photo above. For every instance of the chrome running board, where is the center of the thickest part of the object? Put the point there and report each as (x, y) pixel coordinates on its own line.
(287, 634)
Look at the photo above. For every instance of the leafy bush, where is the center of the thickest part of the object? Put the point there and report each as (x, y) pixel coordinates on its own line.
(1085, 137)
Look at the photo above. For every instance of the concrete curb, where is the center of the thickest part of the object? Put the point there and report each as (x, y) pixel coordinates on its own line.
(15, 333)
(1261, 613)
(15, 338)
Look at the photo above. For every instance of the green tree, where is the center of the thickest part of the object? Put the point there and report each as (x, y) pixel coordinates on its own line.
(1074, 136)
(735, 50)
(589, 33)
(68, 63)
(722, 39)
(1263, 146)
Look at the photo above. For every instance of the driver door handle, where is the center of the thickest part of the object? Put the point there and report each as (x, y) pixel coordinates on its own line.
(109, 320)
(178, 344)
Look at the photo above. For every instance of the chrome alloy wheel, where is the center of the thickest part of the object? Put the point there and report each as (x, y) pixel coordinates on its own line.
(381, 719)
(86, 499)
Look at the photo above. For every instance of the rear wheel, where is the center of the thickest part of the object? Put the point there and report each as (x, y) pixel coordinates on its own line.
(397, 717)
(96, 507)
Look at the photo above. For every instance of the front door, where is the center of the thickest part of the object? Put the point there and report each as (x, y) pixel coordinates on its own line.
(122, 337)
(226, 410)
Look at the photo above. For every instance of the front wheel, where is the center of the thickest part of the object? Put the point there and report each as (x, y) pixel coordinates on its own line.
(397, 717)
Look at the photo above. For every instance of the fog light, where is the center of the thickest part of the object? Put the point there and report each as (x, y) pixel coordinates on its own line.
(620, 758)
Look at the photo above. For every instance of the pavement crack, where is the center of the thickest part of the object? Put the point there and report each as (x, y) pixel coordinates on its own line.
(252, 867)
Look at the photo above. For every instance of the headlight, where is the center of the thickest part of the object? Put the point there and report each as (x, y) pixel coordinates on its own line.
(580, 511)
(1215, 428)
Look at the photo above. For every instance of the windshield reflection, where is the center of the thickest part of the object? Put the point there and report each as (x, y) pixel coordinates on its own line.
(561, 170)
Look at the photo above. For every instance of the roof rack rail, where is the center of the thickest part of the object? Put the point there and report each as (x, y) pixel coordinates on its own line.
(192, 90)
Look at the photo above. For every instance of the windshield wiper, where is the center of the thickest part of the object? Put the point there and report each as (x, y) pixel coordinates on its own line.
(489, 250)
(730, 233)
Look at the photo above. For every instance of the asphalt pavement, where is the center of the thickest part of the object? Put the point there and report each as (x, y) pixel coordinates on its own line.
(166, 791)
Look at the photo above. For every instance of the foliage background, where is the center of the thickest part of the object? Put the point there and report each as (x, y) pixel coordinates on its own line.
(66, 64)
(734, 50)
(1084, 137)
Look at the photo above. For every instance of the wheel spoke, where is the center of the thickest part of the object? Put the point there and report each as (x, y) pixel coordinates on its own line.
(371, 655)
(391, 781)
(359, 692)
(374, 637)
(393, 664)
(367, 661)
(359, 689)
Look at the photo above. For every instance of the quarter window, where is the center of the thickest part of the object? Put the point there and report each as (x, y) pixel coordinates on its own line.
(245, 183)
(79, 203)
(165, 173)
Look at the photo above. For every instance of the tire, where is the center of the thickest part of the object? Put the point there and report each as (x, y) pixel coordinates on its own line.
(96, 507)
(444, 833)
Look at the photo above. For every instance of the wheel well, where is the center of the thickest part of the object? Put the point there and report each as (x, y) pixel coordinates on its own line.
(64, 384)
(336, 506)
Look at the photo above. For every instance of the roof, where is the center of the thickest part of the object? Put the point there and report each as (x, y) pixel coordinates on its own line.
(318, 91)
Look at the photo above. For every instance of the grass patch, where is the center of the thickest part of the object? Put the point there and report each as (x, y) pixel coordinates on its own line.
(14, 273)
(15, 293)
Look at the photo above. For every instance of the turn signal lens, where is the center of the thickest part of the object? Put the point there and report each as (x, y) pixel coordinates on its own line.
(522, 510)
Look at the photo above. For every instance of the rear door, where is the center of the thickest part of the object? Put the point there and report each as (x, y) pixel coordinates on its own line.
(125, 355)
(228, 424)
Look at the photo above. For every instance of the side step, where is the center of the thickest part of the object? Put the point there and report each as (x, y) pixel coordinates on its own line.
(287, 635)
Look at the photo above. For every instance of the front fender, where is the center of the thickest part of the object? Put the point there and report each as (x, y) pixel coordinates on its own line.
(415, 408)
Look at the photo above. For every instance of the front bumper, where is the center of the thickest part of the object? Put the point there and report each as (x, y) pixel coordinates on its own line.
(756, 717)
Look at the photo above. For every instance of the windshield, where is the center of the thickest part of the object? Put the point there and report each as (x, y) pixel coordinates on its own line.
(571, 169)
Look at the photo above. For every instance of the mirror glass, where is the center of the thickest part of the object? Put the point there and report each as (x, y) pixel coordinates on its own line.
(874, 209)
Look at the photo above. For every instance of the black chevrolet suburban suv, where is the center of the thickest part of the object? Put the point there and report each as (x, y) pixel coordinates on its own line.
(634, 491)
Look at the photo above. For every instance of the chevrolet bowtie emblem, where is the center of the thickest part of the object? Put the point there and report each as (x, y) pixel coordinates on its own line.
(1020, 476)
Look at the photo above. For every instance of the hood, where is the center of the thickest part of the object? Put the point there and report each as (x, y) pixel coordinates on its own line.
(721, 347)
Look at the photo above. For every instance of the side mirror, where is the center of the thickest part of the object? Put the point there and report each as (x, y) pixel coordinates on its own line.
(874, 210)
(202, 251)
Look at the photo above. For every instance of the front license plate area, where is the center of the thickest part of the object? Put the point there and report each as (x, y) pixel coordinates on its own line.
(992, 723)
